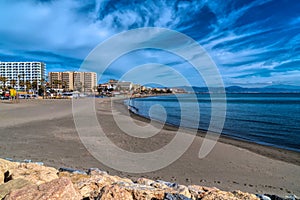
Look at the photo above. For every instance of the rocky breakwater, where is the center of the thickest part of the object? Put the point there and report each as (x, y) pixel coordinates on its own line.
(19, 181)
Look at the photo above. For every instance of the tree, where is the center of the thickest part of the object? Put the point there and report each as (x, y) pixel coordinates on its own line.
(13, 83)
(35, 84)
(78, 87)
(57, 83)
(28, 85)
(64, 85)
(21, 82)
(42, 89)
(3, 80)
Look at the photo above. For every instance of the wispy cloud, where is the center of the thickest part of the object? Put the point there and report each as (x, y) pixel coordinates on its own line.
(251, 41)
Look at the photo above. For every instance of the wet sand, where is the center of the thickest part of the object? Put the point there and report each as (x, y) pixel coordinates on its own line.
(44, 130)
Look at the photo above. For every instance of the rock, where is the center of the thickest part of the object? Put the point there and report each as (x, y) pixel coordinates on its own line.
(112, 192)
(12, 185)
(156, 184)
(292, 197)
(34, 173)
(222, 195)
(176, 197)
(18, 161)
(28, 180)
(74, 171)
(195, 191)
(209, 189)
(61, 188)
(96, 171)
(145, 181)
(90, 185)
(263, 197)
(169, 184)
(4, 169)
(244, 195)
(131, 191)
(274, 197)
(115, 179)
(168, 187)
(183, 190)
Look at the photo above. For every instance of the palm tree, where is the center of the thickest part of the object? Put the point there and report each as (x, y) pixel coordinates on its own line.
(28, 85)
(21, 82)
(3, 80)
(43, 87)
(78, 86)
(13, 83)
(35, 84)
(57, 83)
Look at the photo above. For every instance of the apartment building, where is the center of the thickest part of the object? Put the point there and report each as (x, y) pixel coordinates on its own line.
(67, 80)
(17, 73)
(78, 81)
(90, 81)
(124, 86)
(54, 79)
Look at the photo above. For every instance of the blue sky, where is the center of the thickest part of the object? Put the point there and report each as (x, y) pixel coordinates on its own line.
(253, 43)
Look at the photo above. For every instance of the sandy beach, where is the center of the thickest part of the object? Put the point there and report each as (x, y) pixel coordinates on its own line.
(44, 130)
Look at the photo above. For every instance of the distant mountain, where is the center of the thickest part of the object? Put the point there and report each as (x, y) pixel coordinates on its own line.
(238, 89)
(289, 87)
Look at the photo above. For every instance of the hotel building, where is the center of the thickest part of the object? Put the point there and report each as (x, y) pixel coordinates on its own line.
(79, 81)
(20, 72)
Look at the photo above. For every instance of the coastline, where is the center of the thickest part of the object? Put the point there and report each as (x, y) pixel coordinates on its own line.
(268, 151)
(273, 152)
(43, 130)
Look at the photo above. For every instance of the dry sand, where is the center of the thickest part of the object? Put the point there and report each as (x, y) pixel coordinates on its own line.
(44, 130)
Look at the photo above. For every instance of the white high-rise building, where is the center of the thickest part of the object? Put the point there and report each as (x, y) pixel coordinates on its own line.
(20, 72)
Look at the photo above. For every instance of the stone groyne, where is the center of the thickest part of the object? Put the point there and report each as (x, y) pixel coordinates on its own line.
(27, 180)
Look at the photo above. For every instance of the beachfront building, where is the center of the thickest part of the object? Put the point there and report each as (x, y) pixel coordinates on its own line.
(124, 86)
(69, 81)
(54, 78)
(21, 75)
(90, 82)
(61, 80)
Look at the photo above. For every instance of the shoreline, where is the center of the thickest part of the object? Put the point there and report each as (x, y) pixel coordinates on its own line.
(273, 152)
(264, 150)
(44, 131)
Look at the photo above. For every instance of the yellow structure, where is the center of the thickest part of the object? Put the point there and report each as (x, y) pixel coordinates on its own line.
(12, 92)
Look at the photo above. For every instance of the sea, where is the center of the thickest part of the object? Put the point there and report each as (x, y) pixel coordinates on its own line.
(264, 118)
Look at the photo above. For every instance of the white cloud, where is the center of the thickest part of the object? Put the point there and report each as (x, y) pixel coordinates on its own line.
(64, 29)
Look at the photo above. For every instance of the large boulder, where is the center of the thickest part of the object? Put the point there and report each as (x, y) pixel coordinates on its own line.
(197, 191)
(57, 189)
(5, 166)
(167, 187)
(90, 185)
(123, 190)
(112, 192)
(36, 174)
(12, 185)
(222, 195)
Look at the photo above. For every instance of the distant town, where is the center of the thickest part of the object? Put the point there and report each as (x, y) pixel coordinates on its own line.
(23, 80)
(29, 80)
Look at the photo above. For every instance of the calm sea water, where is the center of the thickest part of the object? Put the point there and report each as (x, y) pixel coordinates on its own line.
(269, 119)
